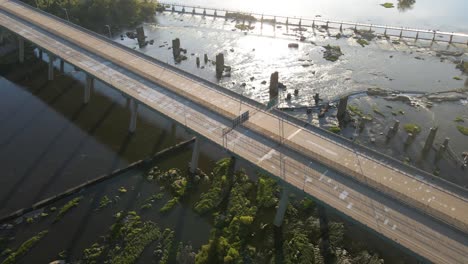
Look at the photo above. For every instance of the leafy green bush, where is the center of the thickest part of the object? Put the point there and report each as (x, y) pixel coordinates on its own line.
(168, 206)
(266, 191)
(97, 13)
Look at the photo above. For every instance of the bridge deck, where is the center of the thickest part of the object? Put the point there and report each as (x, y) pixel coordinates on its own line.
(206, 111)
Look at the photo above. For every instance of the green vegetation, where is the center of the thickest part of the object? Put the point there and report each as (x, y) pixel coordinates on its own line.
(219, 185)
(307, 205)
(387, 5)
(91, 255)
(179, 187)
(171, 179)
(266, 191)
(169, 205)
(105, 201)
(362, 42)
(463, 130)
(96, 14)
(332, 53)
(244, 27)
(377, 111)
(122, 190)
(334, 129)
(126, 240)
(234, 228)
(6, 252)
(150, 200)
(62, 254)
(73, 203)
(241, 213)
(463, 66)
(404, 5)
(240, 16)
(146, 206)
(459, 119)
(135, 235)
(412, 128)
(355, 110)
(29, 220)
(24, 248)
(457, 78)
(164, 248)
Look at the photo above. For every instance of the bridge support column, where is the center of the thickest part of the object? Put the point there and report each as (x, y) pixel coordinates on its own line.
(40, 53)
(133, 115)
(195, 156)
(282, 206)
(21, 49)
(50, 75)
(62, 66)
(88, 87)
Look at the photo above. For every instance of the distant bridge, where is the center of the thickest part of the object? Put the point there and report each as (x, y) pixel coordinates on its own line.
(401, 32)
(409, 207)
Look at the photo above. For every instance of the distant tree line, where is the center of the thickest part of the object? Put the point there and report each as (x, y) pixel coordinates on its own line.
(404, 5)
(95, 14)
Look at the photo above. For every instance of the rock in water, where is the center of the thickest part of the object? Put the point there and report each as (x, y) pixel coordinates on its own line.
(332, 53)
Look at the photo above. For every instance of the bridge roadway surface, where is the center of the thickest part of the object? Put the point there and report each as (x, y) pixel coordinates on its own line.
(366, 190)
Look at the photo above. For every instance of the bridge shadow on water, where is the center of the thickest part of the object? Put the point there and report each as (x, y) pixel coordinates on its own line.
(87, 141)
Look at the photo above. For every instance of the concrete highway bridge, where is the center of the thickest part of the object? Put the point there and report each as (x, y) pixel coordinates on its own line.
(413, 209)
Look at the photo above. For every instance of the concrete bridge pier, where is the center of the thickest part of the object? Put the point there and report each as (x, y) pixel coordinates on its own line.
(21, 49)
(50, 75)
(89, 85)
(40, 53)
(133, 115)
(282, 206)
(195, 156)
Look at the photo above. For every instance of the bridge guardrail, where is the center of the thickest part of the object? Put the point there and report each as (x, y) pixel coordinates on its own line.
(240, 97)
